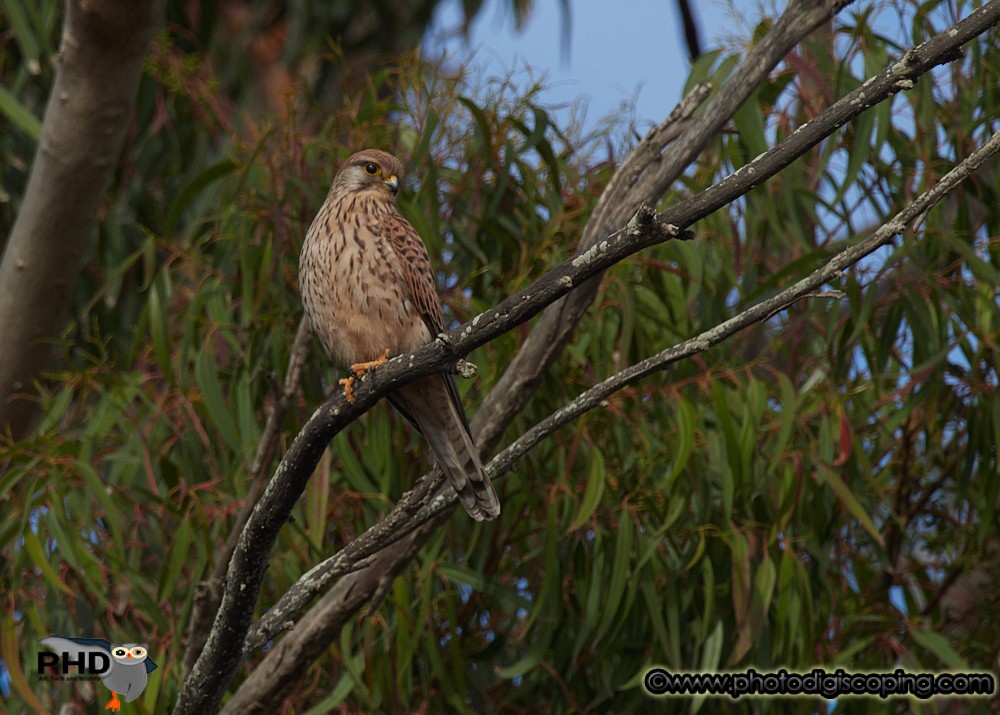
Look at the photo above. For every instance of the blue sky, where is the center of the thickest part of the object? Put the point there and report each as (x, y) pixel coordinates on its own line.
(617, 53)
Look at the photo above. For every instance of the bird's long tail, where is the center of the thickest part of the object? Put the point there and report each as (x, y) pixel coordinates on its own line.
(432, 405)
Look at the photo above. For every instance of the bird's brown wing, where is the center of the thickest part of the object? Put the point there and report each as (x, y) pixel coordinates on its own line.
(417, 271)
(419, 277)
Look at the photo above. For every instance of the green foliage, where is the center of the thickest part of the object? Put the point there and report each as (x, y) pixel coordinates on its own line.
(800, 495)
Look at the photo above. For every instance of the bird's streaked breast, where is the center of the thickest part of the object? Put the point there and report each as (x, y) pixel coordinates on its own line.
(352, 285)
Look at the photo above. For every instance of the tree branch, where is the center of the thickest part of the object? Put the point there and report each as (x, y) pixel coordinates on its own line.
(100, 61)
(690, 29)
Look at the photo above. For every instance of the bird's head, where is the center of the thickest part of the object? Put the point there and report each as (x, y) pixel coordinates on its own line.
(370, 170)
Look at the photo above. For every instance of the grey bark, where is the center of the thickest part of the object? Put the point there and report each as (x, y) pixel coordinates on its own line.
(104, 43)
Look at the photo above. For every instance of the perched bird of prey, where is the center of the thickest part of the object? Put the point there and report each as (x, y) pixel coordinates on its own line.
(369, 293)
(130, 664)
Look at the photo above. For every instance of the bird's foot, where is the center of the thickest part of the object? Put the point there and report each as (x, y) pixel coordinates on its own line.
(357, 370)
(114, 704)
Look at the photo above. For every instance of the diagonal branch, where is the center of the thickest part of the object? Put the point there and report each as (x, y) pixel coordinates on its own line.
(221, 656)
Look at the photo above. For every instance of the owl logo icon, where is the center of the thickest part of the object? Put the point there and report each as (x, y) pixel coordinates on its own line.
(123, 667)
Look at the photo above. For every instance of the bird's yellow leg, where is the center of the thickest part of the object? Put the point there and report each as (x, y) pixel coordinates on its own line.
(357, 370)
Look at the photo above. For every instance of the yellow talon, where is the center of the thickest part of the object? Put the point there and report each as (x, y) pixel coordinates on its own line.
(357, 370)
(348, 383)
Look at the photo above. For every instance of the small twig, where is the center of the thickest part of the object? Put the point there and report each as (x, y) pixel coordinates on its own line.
(466, 369)
(832, 294)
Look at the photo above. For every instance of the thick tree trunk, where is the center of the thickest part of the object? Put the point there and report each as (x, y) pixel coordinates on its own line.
(104, 44)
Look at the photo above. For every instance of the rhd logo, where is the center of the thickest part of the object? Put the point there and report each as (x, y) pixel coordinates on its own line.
(94, 662)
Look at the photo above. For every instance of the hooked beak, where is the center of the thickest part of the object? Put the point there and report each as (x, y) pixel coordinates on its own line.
(393, 183)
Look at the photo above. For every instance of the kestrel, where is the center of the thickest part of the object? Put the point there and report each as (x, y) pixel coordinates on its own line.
(369, 292)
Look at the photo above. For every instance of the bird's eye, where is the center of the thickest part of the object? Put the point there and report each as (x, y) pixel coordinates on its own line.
(372, 169)
(138, 652)
(120, 652)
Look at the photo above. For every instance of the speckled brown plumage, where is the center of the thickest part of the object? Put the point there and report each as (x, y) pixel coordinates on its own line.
(367, 287)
